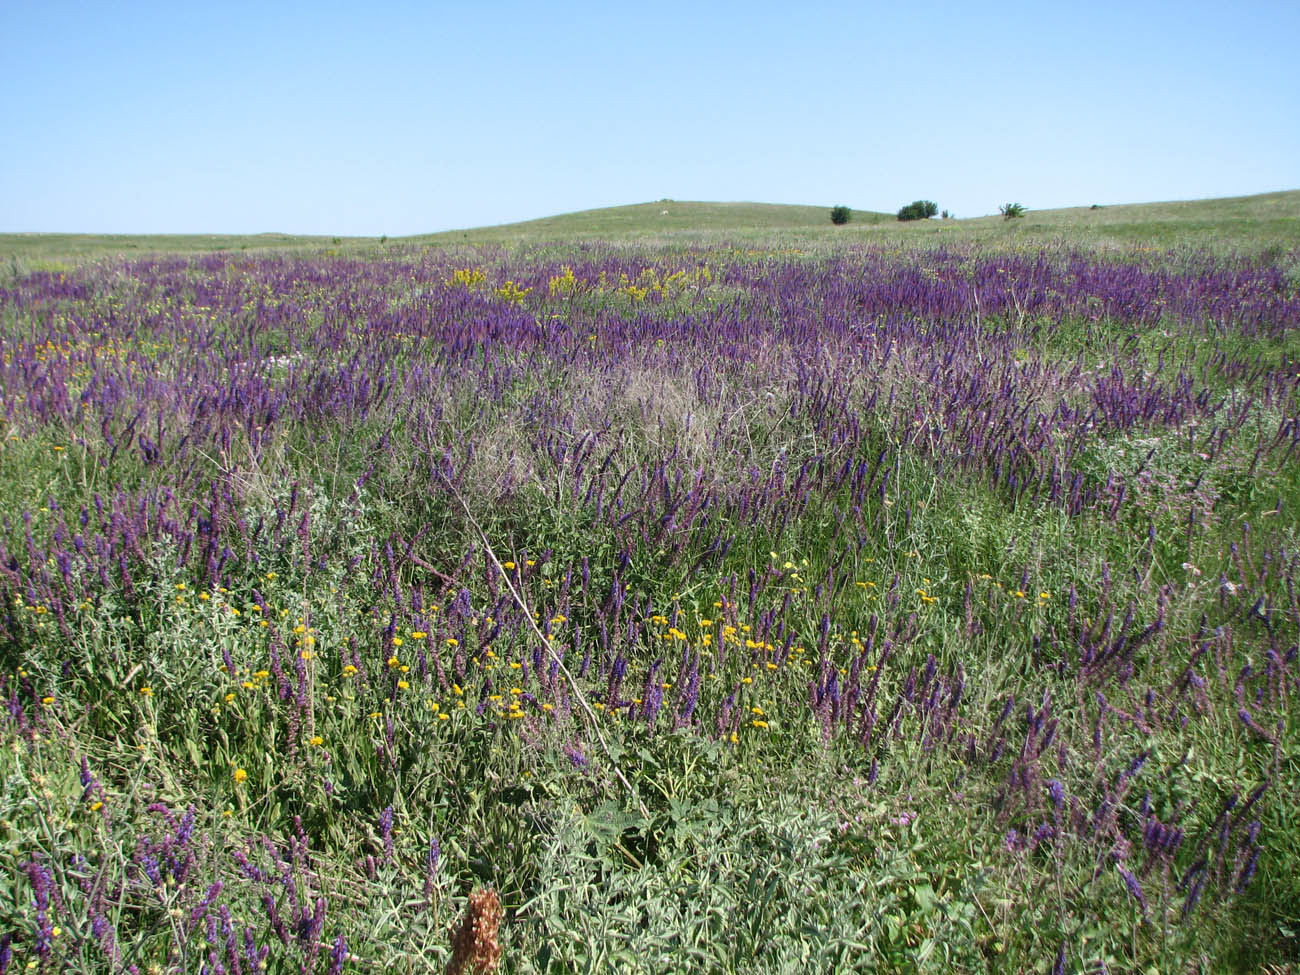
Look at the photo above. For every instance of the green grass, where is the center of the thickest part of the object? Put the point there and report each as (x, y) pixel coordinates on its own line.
(60, 252)
(1245, 223)
(669, 218)
(1250, 222)
(1241, 222)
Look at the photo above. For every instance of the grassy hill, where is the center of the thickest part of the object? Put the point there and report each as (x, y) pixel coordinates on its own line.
(1246, 222)
(1239, 222)
(1251, 223)
(666, 218)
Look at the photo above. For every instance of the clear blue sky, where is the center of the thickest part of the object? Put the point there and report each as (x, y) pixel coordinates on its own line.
(401, 118)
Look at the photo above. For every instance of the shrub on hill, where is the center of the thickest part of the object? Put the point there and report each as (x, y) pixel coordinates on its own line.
(1010, 211)
(840, 215)
(918, 210)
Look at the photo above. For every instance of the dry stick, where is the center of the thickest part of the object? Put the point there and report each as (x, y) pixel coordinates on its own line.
(423, 564)
(573, 684)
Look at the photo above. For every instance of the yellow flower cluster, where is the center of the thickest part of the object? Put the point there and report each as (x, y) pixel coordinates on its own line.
(564, 284)
(512, 293)
(466, 278)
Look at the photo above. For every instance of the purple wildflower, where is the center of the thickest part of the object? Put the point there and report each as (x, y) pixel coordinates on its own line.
(386, 832)
(338, 955)
(1134, 888)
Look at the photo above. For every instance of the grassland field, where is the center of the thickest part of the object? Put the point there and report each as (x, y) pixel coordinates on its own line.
(1248, 224)
(680, 587)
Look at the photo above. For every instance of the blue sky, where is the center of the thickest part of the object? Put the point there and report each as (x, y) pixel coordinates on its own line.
(401, 118)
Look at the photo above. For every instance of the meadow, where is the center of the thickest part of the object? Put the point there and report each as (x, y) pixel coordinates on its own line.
(754, 600)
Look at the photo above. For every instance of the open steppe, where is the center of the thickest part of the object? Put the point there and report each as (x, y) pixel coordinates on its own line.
(723, 590)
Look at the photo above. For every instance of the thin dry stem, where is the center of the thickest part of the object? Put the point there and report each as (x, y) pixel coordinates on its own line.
(578, 696)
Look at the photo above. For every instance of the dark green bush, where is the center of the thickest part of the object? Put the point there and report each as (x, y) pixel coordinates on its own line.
(840, 215)
(1010, 211)
(918, 210)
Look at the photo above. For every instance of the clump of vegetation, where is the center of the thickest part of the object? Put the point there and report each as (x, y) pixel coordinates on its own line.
(1010, 211)
(918, 210)
(840, 215)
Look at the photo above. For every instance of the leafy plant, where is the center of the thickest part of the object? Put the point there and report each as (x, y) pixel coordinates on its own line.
(840, 214)
(1010, 211)
(918, 210)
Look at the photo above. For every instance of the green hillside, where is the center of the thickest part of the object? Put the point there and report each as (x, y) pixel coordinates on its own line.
(1239, 222)
(667, 217)
(1246, 223)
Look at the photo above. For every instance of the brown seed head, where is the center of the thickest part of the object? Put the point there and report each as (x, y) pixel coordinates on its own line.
(474, 946)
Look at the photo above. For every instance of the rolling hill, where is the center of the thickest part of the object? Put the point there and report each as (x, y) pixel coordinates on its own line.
(1244, 223)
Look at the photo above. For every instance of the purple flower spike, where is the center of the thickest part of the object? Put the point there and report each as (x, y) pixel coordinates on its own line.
(386, 832)
(338, 955)
(1134, 888)
(1059, 966)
